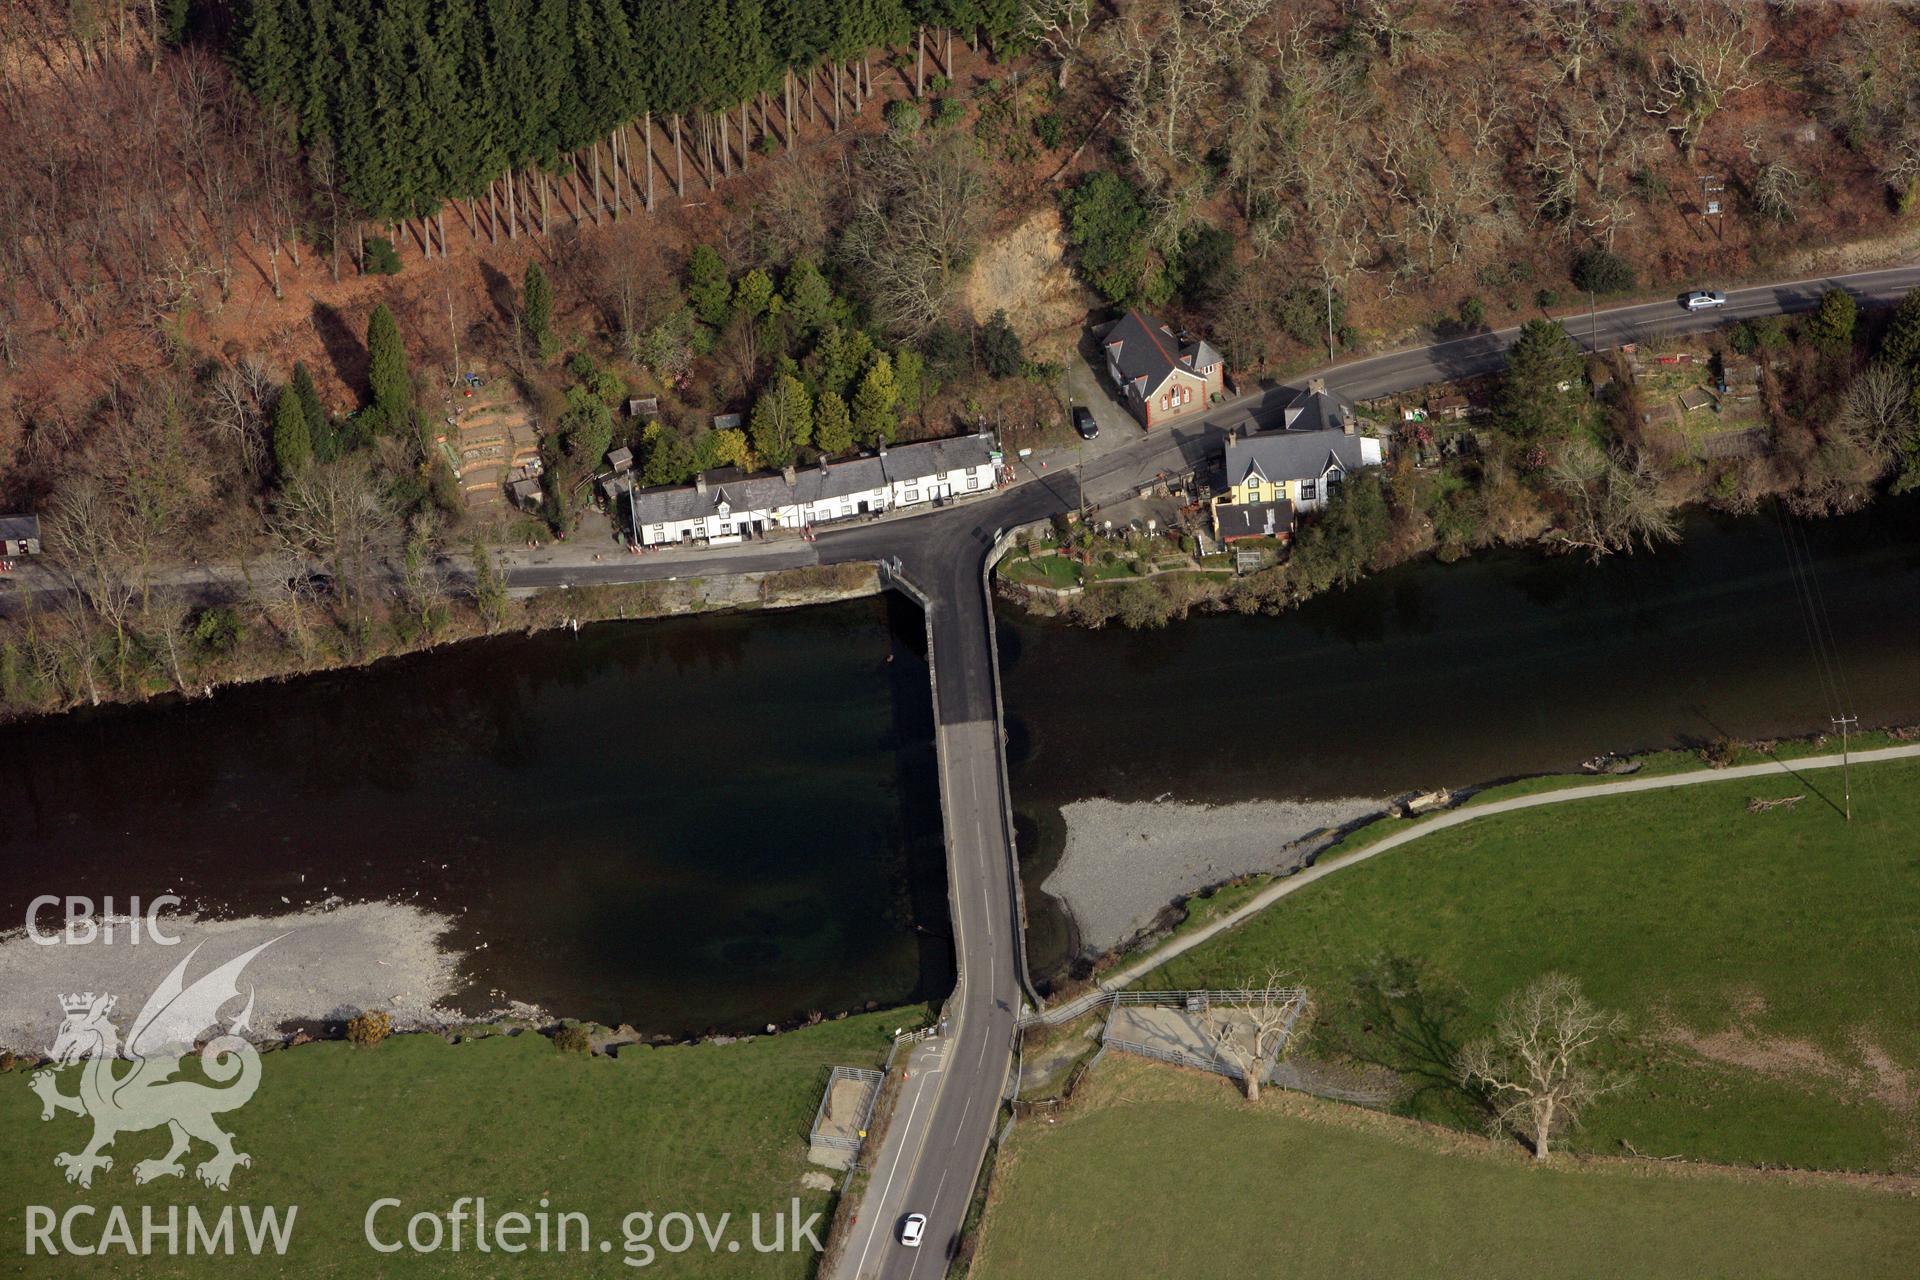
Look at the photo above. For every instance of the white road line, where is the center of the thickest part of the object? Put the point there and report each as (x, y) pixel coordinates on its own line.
(887, 1190)
(942, 1186)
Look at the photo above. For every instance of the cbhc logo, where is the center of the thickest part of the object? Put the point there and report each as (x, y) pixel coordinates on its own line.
(82, 927)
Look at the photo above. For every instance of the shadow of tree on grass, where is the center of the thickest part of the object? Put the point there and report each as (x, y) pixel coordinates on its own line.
(1405, 1015)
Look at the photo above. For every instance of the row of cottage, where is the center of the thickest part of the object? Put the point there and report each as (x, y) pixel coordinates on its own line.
(728, 505)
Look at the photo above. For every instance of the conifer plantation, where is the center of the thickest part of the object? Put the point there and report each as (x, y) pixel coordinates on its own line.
(411, 103)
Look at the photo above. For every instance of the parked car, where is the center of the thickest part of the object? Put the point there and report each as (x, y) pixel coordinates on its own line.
(1703, 300)
(913, 1230)
(1083, 422)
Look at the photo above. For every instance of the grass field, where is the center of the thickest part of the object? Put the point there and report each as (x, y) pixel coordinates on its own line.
(698, 1128)
(1769, 963)
(1159, 1172)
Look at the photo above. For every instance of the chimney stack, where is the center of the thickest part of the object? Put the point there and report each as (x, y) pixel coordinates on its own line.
(788, 474)
(700, 482)
(1318, 386)
(883, 448)
(1346, 423)
(823, 464)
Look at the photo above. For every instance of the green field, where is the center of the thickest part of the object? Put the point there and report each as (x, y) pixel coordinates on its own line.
(1769, 963)
(1291, 1186)
(697, 1128)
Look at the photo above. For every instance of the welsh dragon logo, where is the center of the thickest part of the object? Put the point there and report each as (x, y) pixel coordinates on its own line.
(145, 1096)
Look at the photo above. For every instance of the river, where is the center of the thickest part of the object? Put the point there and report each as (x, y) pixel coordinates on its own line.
(1434, 675)
(707, 824)
(691, 825)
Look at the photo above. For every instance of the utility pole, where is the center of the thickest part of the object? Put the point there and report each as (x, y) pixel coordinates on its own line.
(1710, 189)
(1846, 761)
(1328, 277)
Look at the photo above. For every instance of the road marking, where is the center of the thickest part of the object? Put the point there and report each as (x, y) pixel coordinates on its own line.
(887, 1190)
(938, 1189)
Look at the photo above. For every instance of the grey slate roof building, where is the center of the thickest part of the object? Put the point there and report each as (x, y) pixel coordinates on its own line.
(1318, 409)
(1144, 353)
(1234, 520)
(1297, 455)
(20, 535)
(909, 462)
(840, 480)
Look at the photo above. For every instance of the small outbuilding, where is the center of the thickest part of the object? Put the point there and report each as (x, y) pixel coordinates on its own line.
(20, 535)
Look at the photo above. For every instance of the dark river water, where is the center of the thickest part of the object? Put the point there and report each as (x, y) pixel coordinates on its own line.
(1438, 675)
(690, 825)
(713, 823)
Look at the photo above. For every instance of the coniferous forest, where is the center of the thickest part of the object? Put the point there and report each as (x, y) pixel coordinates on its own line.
(419, 101)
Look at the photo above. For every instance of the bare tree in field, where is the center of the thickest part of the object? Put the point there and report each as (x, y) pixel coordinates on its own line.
(1058, 26)
(1536, 1066)
(1248, 1028)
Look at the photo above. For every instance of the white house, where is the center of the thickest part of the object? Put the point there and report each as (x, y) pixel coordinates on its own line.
(724, 506)
(938, 470)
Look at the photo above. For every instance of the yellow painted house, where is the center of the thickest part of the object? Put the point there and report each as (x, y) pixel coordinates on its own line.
(1272, 475)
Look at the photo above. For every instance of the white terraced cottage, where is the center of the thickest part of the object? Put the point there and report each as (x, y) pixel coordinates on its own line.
(725, 506)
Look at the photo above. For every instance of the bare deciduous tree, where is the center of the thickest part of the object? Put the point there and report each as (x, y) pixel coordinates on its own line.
(1536, 1067)
(1058, 26)
(1712, 60)
(336, 512)
(1876, 413)
(1247, 1029)
(918, 210)
(1615, 500)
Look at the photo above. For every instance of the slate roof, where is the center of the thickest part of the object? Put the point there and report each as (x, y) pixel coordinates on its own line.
(770, 491)
(1147, 351)
(1317, 409)
(743, 492)
(909, 462)
(1297, 455)
(1254, 519)
(19, 528)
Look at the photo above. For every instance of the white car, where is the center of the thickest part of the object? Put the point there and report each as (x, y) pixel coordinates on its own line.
(1703, 300)
(913, 1230)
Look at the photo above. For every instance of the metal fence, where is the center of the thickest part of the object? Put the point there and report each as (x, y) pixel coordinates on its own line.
(1178, 1057)
(1295, 998)
(1087, 1003)
(872, 1079)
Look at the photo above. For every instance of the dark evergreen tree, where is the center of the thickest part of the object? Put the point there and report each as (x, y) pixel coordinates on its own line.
(707, 286)
(387, 377)
(1540, 395)
(536, 306)
(292, 444)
